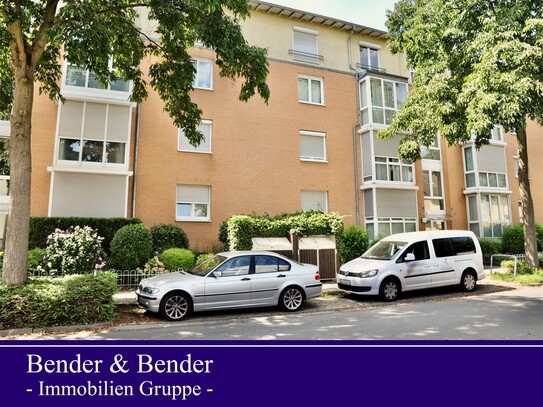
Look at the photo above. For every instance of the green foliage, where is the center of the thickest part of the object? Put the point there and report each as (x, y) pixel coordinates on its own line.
(42, 227)
(4, 155)
(35, 258)
(513, 238)
(131, 247)
(509, 265)
(166, 236)
(354, 242)
(490, 246)
(242, 228)
(76, 299)
(73, 251)
(176, 258)
(202, 257)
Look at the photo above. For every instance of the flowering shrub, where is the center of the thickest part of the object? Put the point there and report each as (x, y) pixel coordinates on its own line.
(72, 251)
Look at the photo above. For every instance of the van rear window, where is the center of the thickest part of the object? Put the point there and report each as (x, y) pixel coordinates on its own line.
(453, 246)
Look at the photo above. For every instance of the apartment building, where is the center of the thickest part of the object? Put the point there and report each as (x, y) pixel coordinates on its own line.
(334, 85)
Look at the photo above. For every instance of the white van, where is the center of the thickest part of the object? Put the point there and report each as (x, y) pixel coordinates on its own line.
(415, 260)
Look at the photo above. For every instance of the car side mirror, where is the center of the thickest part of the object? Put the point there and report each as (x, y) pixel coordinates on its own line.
(409, 257)
(217, 274)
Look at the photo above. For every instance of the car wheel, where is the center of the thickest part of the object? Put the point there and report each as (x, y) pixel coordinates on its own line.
(469, 281)
(175, 306)
(390, 290)
(291, 299)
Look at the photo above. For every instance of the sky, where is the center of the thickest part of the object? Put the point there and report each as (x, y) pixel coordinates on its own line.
(370, 13)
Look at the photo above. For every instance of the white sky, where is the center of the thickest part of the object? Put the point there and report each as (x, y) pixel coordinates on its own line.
(371, 13)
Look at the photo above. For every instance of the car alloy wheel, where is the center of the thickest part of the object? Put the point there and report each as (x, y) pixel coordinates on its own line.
(175, 306)
(291, 299)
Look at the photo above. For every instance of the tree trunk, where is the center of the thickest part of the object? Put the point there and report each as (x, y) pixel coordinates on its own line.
(18, 223)
(530, 239)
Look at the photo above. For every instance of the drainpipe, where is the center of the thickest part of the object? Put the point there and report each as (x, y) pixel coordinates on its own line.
(355, 132)
(136, 152)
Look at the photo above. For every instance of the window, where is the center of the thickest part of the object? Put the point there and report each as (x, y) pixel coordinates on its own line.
(432, 152)
(496, 134)
(304, 45)
(387, 226)
(380, 102)
(312, 146)
(494, 214)
(443, 247)
(93, 132)
(205, 146)
(419, 249)
(314, 201)
(469, 167)
(193, 203)
(238, 266)
(473, 215)
(80, 77)
(433, 191)
(369, 56)
(310, 90)
(203, 78)
(492, 180)
(270, 264)
(453, 246)
(392, 169)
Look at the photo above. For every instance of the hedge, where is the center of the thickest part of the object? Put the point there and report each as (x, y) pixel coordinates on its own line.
(41, 227)
(237, 232)
(43, 302)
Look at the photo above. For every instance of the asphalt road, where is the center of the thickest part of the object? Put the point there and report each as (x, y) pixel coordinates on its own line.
(492, 313)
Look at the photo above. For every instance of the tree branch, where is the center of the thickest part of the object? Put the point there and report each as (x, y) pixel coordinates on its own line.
(39, 43)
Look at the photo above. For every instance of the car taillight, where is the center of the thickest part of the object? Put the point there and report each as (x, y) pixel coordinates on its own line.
(317, 276)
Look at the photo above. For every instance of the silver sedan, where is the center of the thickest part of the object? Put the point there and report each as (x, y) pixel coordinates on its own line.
(231, 280)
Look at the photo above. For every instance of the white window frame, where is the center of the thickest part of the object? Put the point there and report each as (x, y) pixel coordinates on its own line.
(372, 225)
(389, 163)
(473, 171)
(198, 62)
(104, 139)
(370, 47)
(204, 148)
(432, 151)
(503, 220)
(497, 131)
(193, 217)
(431, 196)
(314, 192)
(310, 80)
(314, 134)
(304, 56)
(367, 106)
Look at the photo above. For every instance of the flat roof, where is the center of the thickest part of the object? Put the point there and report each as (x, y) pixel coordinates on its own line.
(324, 21)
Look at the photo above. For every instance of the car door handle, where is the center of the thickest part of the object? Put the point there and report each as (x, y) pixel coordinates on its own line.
(245, 279)
(281, 276)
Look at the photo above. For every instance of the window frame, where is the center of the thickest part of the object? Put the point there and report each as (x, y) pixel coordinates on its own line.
(369, 107)
(191, 148)
(304, 56)
(390, 163)
(313, 134)
(431, 196)
(199, 61)
(369, 47)
(314, 191)
(192, 217)
(310, 80)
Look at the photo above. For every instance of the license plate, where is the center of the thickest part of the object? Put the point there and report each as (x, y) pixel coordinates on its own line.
(345, 282)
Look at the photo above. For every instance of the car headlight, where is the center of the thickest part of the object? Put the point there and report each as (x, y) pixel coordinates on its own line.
(150, 290)
(369, 273)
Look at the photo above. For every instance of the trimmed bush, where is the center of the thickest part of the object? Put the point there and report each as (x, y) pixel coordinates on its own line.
(131, 247)
(509, 265)
(166, 236)
(73, 251)
(177, 258)
(490, 246)
(75, 299)
(354, 242)
(513, 238)
(242, 228)
(42, 227)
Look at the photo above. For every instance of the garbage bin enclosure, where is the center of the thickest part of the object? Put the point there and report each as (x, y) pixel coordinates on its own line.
(279, 245)
(321, 251)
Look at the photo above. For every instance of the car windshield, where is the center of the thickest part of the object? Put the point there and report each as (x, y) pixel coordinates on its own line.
(206, 266)
(383, 250)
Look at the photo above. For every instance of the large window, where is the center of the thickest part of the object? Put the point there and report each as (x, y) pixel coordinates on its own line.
(392, 169)
(469, 167)
(382, 227)
(432, 152)
(305, 46)
(205, 146)
(380, 99)
(193, 203)
(82, 78)
(495, 214)
(203, 78)
(310, 90)
(369, 56)
(433, 191)
(312, 146)
(93, 133)
(314, 201)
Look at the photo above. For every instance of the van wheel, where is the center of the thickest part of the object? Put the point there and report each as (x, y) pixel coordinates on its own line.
(390, 290)
(469, 281)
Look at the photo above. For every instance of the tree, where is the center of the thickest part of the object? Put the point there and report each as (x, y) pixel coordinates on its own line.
(35, 35)
(476, 64)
